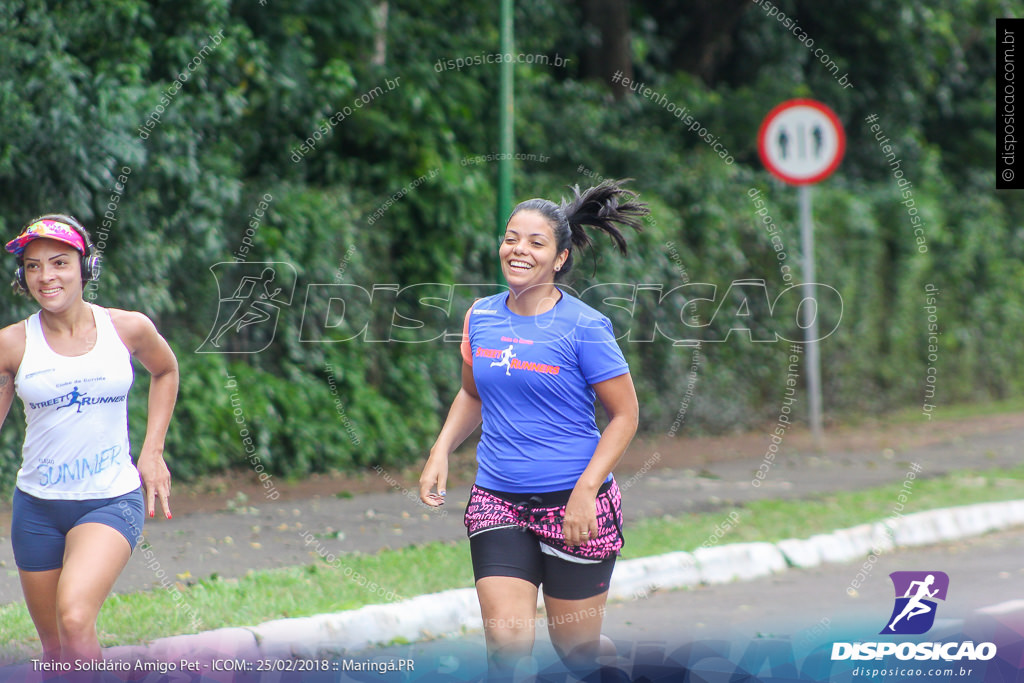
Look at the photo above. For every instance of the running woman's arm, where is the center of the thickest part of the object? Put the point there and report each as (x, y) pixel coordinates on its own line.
(618, 397)
(12, 348)
(144, 342)
(6, 394)
(463, 418)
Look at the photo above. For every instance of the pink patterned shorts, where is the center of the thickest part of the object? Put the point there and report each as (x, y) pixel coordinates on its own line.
(542, 514)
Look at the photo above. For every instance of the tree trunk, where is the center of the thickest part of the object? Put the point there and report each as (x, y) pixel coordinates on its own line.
(380, 27)
(708, 39)
(609, 53)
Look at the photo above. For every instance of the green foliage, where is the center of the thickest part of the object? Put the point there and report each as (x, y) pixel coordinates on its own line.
(205, 107)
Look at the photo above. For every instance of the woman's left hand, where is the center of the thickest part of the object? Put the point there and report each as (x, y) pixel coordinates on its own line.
(580, 523)
(156, 479)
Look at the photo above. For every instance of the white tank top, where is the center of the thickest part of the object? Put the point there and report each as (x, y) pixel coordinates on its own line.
(76, 416)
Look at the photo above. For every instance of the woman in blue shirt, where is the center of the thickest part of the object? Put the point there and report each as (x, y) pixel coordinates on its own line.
(545, 508)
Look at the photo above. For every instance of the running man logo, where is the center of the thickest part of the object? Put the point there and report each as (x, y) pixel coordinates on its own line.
(247, 318)
(507, 359)
(78, 400)
(914, 611)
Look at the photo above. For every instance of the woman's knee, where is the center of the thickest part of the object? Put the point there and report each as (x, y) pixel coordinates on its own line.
(586, 650)
(509, 628)
(76, 620)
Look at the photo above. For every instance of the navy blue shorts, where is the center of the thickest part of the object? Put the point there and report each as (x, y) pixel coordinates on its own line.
(39, 526)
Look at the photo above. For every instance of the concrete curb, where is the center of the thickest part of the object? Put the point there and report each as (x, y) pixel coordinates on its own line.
(742, 561)
(413, 619)
(453, 611)
(635, 578)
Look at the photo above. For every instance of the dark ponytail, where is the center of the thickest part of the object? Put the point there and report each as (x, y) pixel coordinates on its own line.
(604, 206)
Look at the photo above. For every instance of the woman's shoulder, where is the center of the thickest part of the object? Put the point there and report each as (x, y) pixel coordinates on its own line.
(13, 331)
(130, 325)
(488, 304)
(485, 307)
(120, 316)
(580, 308)
(12, 345)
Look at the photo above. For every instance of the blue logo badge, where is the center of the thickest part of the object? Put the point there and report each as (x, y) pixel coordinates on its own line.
(916, 593)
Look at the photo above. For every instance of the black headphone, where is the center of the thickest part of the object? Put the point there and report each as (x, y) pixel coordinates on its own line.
(91, 264)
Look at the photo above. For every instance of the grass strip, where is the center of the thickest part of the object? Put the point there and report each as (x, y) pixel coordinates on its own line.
(945, 413)
(347, 582)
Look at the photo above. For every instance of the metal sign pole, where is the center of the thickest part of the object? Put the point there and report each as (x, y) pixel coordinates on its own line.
(801, 142)
(809, 314)
(506, 125)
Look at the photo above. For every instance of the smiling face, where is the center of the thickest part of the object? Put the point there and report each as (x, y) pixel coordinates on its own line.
(528, 252)
(53, 273)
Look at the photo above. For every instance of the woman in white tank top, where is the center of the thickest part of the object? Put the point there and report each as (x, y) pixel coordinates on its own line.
(78, 503)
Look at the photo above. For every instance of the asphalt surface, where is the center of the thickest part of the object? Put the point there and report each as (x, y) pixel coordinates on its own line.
(790, 613)
(260, 534)
(795, 612)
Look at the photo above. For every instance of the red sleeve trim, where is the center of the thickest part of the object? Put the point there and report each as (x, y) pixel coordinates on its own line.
(467, 352)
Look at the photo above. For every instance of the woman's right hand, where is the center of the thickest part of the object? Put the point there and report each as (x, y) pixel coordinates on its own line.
(463, 417)
(435, 473)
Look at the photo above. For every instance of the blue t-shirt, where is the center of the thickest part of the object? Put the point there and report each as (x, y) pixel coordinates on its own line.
(534, 377)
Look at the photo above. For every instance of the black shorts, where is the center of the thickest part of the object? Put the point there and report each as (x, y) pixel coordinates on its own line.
(500, 548)
(517, 553)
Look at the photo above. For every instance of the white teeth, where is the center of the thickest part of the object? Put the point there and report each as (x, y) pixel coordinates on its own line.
(520, 264)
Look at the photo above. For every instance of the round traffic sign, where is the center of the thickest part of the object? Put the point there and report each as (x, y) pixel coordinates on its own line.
(801, 141)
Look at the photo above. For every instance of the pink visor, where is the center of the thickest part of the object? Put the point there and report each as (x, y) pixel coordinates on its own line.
(50, 229)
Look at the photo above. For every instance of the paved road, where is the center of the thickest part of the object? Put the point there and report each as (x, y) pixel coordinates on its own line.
(266, 534)
(792, 613)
